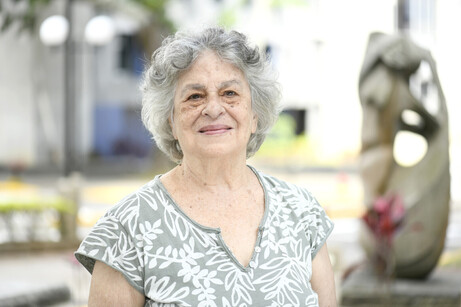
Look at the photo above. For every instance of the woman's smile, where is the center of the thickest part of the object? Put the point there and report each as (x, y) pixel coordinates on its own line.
(214, 129)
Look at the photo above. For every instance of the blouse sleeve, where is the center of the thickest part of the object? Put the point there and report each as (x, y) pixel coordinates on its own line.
(320, 226)
(110, 243)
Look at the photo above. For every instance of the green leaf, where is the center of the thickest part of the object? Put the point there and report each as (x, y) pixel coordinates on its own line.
(286, 3)
(7, 21)
(28, 22)
(227, 18)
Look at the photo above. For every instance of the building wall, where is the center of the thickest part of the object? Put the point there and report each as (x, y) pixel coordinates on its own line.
(17, 104)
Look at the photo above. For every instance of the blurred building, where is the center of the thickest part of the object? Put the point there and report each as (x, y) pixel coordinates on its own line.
(105, 81)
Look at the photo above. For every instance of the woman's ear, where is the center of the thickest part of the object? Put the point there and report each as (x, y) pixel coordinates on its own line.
(254, 123)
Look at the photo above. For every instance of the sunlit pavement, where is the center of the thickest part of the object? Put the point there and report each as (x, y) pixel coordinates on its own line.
(339, 193)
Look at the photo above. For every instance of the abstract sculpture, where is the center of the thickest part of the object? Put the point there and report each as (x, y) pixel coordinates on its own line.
(400, 91)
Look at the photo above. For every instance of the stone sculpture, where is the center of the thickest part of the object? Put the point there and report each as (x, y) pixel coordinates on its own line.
(400, 91)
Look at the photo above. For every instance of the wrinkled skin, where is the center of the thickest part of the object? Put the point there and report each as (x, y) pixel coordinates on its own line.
(385, 93)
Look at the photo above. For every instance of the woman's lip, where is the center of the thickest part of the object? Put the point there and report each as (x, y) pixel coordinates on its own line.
(214, 129)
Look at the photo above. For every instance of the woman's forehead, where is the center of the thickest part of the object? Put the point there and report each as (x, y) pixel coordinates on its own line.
(211, 70)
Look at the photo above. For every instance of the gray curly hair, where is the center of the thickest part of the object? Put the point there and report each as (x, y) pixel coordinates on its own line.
(177, 53)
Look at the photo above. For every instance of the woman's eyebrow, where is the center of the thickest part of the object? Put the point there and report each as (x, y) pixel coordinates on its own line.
(201, 87)
(229, 83)
(194, 86)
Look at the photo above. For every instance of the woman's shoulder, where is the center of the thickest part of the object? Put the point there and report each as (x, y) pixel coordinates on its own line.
(141, 203)
(298, 205)
(276, 185)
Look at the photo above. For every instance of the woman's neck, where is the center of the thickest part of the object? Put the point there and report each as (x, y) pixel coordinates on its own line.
(214, 173)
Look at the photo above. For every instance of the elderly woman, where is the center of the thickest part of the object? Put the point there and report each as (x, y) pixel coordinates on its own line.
(213, 231)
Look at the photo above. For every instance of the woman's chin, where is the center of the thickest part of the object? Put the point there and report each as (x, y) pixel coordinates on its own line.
(219, 152)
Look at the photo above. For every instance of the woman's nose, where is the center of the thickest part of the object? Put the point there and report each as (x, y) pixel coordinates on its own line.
(213, 107)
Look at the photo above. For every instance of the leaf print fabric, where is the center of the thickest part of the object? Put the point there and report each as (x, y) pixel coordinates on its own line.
(174, 261)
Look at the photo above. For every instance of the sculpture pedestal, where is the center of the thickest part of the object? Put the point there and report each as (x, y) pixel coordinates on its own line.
(363, 288)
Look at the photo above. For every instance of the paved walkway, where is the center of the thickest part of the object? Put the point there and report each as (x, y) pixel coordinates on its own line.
(44, 271)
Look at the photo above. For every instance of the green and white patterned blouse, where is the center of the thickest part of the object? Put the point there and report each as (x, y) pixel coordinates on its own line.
(174, 261)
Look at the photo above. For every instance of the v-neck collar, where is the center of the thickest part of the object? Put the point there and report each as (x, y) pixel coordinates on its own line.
(217, 231)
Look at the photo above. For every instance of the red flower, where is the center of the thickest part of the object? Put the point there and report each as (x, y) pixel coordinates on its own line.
(385, 217)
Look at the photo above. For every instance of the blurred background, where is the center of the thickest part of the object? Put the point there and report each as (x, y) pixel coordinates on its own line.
(70, 101)
(72, 143)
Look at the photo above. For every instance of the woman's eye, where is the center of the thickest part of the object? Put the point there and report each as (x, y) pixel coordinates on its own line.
(194, 97)
(230, 93)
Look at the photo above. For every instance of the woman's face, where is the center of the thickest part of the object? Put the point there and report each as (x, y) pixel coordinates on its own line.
(212, 109)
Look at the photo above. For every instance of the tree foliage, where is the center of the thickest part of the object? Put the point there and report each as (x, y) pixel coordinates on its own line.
(22, 11)
(25, 12)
